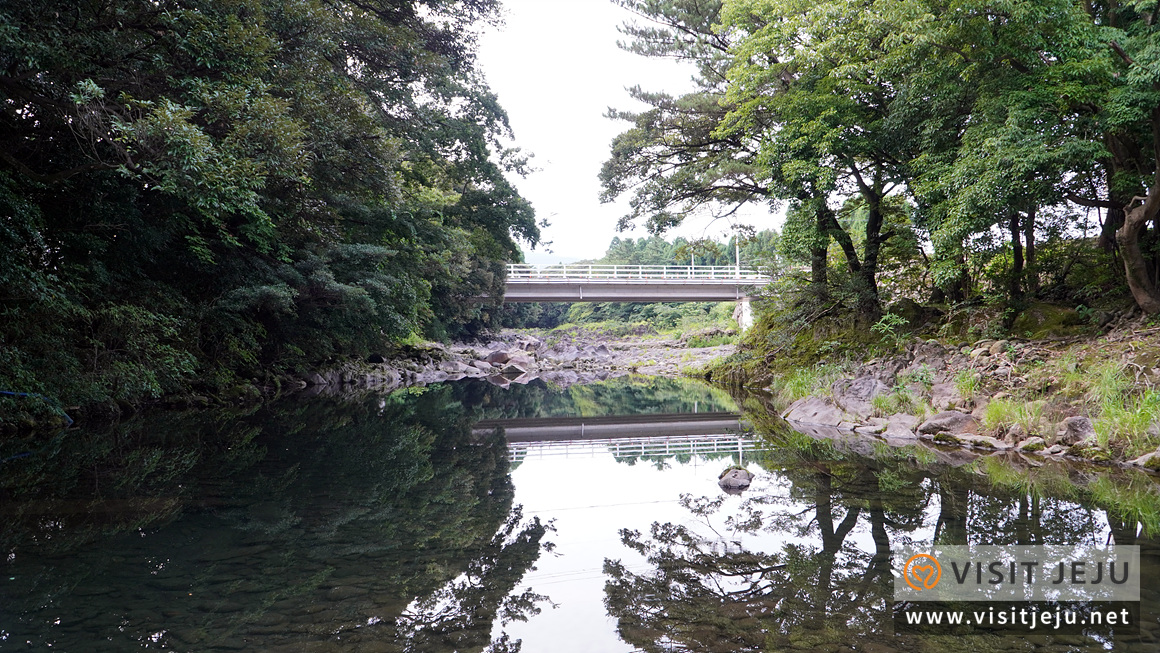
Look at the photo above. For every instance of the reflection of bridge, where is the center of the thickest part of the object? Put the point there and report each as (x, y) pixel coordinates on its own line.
(555, 429)
(629, 283)
(666, 434)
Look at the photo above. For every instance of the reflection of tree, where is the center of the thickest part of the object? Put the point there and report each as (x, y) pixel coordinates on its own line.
(782, 570)
(626, 395)
(381, 521)
(709, 593)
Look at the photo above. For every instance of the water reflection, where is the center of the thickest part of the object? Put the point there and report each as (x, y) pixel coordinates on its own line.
(805, 563)
(395, 524)
(382, 525)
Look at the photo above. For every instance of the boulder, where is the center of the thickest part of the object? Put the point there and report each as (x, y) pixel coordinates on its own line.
(999, 347)
(1148, 461)
(813, 410)
(512, 371)
(1032, 444)
(734, 481)
(601, 353)
(522, 360)
(983, 441)
(1075, 430)
(315, 379)
(950, 421)
(481, 366)
(901, 425)
(498, 357)
(1015, 434)
(945, 396)
(854, 396)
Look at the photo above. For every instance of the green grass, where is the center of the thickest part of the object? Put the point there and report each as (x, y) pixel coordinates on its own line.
(1003, 413)
(967, 383)
(806, 381)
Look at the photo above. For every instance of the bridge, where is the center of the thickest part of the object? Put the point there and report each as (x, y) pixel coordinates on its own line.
(635, 283)
(630, 283)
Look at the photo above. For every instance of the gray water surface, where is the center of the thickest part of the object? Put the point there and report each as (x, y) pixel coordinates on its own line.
(410, 523)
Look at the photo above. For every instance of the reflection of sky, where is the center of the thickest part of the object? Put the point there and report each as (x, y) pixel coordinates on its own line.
(591, 497)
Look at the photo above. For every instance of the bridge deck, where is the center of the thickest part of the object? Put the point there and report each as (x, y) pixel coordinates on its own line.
(626, 283)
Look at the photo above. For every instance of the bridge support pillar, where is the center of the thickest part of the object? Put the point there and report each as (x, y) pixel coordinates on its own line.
(743, 314)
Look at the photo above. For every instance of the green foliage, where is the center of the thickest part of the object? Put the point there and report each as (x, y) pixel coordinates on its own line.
(890, 326)
(213, 192)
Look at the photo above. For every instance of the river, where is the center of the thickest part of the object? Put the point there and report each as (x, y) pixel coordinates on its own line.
(468, 517)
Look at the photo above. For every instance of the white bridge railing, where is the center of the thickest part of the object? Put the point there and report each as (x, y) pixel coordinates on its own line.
(531, 273)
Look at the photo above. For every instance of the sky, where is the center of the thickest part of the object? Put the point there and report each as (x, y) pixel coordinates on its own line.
(557, 69)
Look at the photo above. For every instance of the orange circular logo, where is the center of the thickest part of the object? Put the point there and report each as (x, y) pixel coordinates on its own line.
(922, 569)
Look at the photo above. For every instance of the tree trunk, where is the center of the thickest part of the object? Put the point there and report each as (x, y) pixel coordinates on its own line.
(869, 309)
(1136, 219)
(1135, 266)
(1015, 283)
(819, 254)
(1029, 253)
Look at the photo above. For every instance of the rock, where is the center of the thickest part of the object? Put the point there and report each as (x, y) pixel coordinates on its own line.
(1015, 433)
(314, 378)
(901, 425)
(1148, 461)
(529, 344)
(984, 442)
(946, 438)
(870, 429)
(734, 481)
(499, 380)
(980, 351)
(481, 366)
(601, 353)
(1075, 430)
(812, 410)
(1032, 444)
(512, 371)
(522, 360)
(950, 421)
(454, 367)
(854, 396)
(944, 396)
(999, 347)
(1054, 450)
(376, 359)
(498, 357)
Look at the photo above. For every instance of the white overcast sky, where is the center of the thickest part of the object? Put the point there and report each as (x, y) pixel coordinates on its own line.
(556, 68)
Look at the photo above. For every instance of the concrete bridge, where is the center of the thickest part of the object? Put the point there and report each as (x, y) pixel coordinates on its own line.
(634, 283)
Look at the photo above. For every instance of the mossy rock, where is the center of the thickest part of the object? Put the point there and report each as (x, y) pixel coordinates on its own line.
(946, 438)
(1089, 451)
(1042, 320)
(1034, 446)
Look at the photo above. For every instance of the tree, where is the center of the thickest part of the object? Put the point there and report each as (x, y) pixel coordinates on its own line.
(229, 188)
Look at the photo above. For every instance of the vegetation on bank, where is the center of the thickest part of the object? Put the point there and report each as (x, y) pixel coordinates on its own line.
(968, 172)
(201, 196)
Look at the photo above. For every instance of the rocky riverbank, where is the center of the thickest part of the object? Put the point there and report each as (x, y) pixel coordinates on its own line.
(560, 357)
(1038, 399)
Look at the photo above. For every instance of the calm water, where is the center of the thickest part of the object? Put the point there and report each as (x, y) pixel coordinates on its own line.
(408, 523)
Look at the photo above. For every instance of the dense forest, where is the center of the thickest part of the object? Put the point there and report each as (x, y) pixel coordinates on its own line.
(940, 151)
(206, 193)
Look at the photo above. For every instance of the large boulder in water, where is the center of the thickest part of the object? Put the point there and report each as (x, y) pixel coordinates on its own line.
(735, 480)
